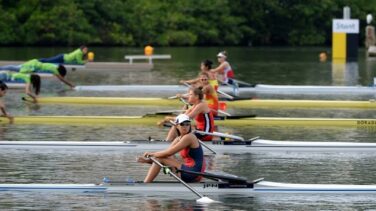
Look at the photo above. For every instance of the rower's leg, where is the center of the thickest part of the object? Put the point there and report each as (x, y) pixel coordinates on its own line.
(172, 134)
(155, 169)
(14, 68)
(58, 59)
(152, 173)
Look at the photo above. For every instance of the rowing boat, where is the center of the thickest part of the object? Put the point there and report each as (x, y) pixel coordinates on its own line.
(243, 91)
(225, 147)
(207, 188)
(230, 121)
(371, 104)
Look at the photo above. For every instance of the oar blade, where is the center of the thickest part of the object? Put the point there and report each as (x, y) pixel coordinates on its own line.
(206, 200)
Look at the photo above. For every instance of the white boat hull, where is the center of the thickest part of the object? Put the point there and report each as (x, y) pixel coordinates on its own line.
(259, 145)
(169, 90)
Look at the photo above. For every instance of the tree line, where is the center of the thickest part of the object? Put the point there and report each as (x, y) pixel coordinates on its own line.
(175, 22)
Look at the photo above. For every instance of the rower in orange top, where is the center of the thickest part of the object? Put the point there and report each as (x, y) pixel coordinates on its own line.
(211, 96)
(200, 112)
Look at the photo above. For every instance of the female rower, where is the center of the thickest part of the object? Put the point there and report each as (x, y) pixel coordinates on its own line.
(200, 112)
(35, 66)
(31, 81)
(205, 67)
(210, 93)
(190, 150)
(76, 57)
(224, 69)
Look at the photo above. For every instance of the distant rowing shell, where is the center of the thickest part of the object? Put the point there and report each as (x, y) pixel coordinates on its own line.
(254, 103)
(225, 147)
(243, 91)
(153, 119)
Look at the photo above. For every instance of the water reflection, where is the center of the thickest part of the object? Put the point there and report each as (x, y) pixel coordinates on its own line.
(345, 73)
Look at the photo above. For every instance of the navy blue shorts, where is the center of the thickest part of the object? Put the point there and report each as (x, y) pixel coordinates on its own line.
(189, 177)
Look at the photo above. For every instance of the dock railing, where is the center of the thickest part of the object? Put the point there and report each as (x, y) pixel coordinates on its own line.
(143, 57)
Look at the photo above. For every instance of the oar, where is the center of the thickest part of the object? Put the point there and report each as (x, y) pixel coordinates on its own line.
(207, 147)
(175, 97)
(202, 199)
(224, 135)
(223, 112)
(225, 94)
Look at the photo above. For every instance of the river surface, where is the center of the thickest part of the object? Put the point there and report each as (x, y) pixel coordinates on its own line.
(299, 66)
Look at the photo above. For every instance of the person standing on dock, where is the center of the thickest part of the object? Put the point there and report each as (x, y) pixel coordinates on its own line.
(76, 57)
(370, 33)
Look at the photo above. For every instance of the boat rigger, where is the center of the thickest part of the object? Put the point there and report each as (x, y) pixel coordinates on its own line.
(252, 103)
(219, 146)
(234, 121)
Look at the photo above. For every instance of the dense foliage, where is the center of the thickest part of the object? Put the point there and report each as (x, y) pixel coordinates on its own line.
(174, 22)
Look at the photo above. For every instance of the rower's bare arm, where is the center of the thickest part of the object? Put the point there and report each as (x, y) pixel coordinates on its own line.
(167, 119)
(184, 96)
(193, 112)
(207, 89)
(184, 142)
(29, 92)
(2, 108)
(219, 69)
(4, 112)
(65, 81)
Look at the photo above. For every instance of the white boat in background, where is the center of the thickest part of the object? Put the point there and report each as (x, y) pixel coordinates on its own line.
(224, 147)
(169, 90)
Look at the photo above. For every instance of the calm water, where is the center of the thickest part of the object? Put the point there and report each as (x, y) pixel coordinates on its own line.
(256, 65)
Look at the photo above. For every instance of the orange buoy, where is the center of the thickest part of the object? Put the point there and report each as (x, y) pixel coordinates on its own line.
(148, 50)
(90, 56)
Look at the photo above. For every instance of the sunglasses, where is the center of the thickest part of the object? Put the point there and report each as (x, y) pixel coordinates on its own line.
(185, 124)
(204, 79)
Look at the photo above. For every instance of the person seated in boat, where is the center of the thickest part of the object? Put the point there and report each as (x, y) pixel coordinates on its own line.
(3, 91)
(210, 94)
(31, 81)
(224, 71)
(78, 56)
(35, 66)
(200, 112)
(189, 148)
(205, 67)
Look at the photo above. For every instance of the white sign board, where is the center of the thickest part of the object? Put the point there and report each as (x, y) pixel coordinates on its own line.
(346, 26)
